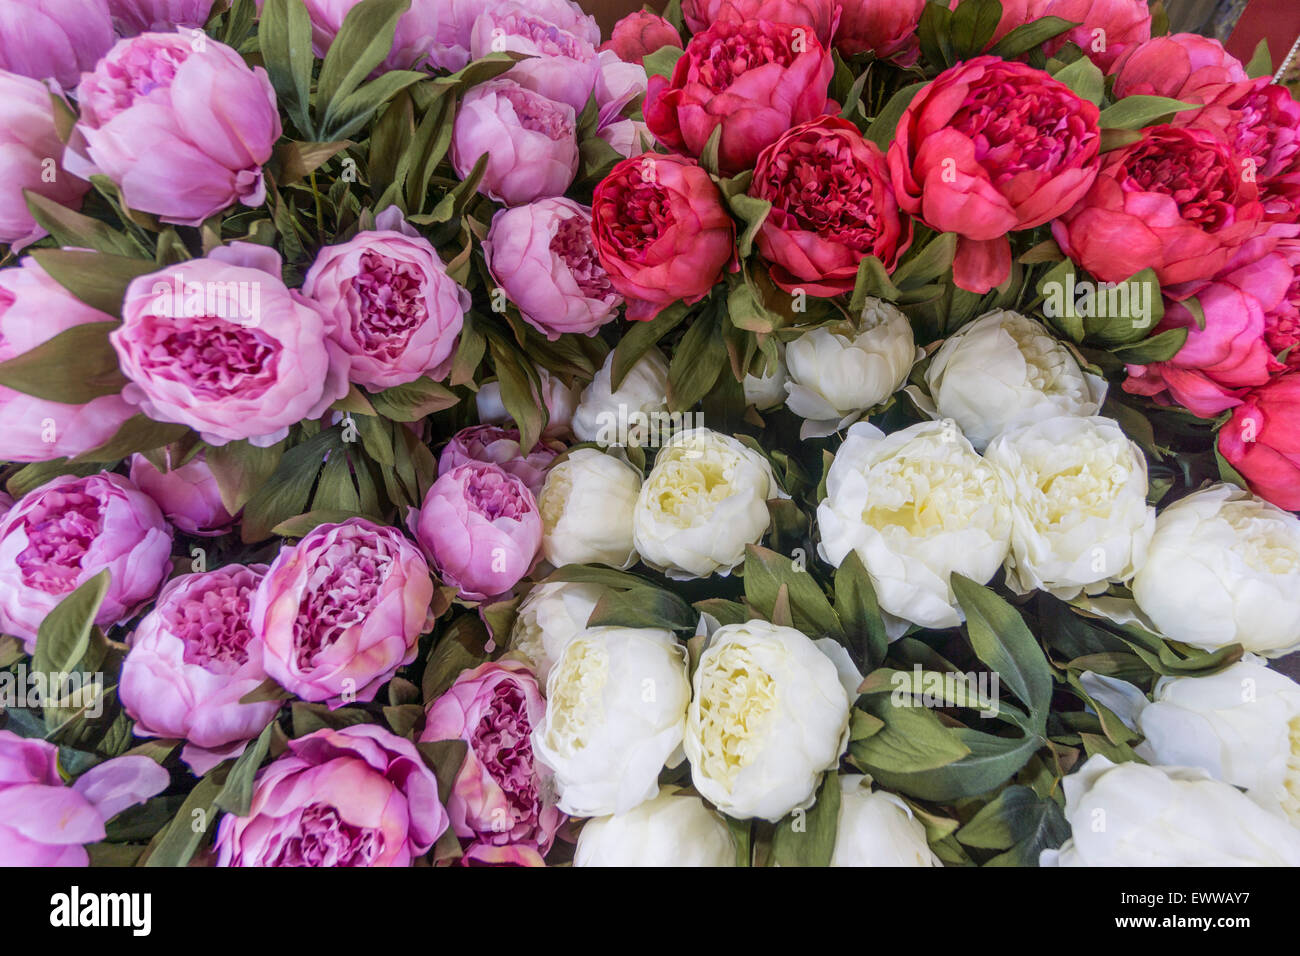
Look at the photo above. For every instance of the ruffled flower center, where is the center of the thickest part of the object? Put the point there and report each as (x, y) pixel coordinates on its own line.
(142, 66)
(737, 700)
(1086, 486)
(501, 743)
(60, 530)
(212, 356)
(575, 246)
(576, 707)
(392, 305)
(685, 491)
(1291, 780)
(538, 114)
(546, 38)
(324, 838)
(214, 625)
(645, 212)
(925, 494)
(818, 182)
(1049, 369)
(494, 494)
(343, 586)
(1263, 541)
(1198, 176)
(726, 58)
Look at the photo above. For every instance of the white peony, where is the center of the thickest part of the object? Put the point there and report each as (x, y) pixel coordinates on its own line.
(548, 618)
(703, 501)
(615, 712)
(607, 416)
(1131, 814)
(1224, 568)
(673, 829)
(767, 390)
(916, 506)
(769, 716)
(586, 507)
(1005, 370)
(839, 371)
(877, 829)
(1078, 490)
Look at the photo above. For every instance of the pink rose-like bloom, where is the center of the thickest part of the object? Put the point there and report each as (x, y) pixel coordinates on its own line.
(1181, 66)
(821, 16)
(500, 446)
(44, 822)
(1262, 441)
(754, 79)
(358, 796)
(53, 39)
(188, 495)
(560, 64)
(500, 797)
(832, 205)
(530, 140)
(182, 132)
(1175, 201)
(661, 231)
(388, 303)
(1106, 27)
(29, 142)
(339, 612)
(886, 29)
(191, 660)
(543, 256)
(220, 344)
(559, 399)
(141, 16)
(33, 309)
(60, 535)
(455, 28)
(988, 147)
(480, 527)
(639, 34)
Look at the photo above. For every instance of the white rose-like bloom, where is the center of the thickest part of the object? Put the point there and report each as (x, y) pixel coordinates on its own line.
(839, 371)
(1241, 725)
(603, 413)
(549, 617)
(673, 829)
(877, 829)
(615, 714)
(1131, 814)
(703, 501)
(559, 399)
(916, 505)
(586, 507)
(1224, 568)
(1078, 491)
(770, 715)
(767, 390)
(1005, 370)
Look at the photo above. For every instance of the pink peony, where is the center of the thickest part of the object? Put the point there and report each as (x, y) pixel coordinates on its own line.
(480, 527)
(501, 797)
(388, 303)
(188, 495)
(500, 446)
(820, 16)
(339, 612)
(1262, 440)
(1175, 201)
(560, 63)
(30, 150)
(221, 345)
(754, 79)
(639, 34)
(1106, 27)
(191, 660)
(62, 534)
(45, 823)
(33, 309)
(182, 125)
(886, 29)
(543, 256)
(358, 796)
(141, 16)
(989, 147)
(53, 39)
(530, 140)
(1181, 66)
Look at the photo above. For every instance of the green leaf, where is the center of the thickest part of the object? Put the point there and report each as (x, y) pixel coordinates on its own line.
(859, 614)
(63, 638)
(929, 264)
(882, 128)
(460, 648)
(1000, 639)
(752, 212)
(1030, 35)
(444, 758)
(973, 25)
(361, 45)
(696, 363)
(137, 433)
(807, 837)
(911, 741)
(237, 792)
(299, 160)
(286, 493)
(872, 282)
(766, 571)
(1261, 62)
(96, 278)
(518, 393)
(1135, 112)
(414, 400)
(196, 818)
(641, 337)
(348, 116)
(240, 469)
(1158, 348)
(302, 525)
(662, 61)
(284, 37)
(1018, 821)
(74, 367)
(71, 228)
(1085, 79)
(643, 607)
